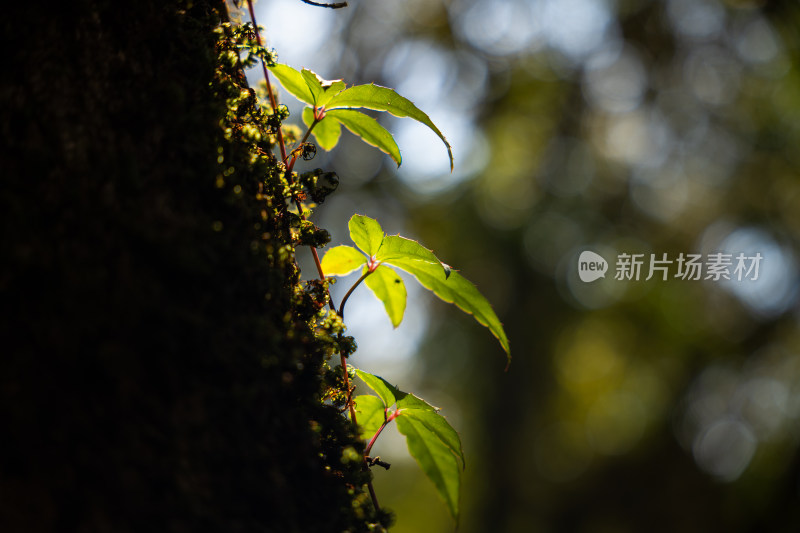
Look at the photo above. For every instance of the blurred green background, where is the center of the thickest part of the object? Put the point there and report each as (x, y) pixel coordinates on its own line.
(618, 126)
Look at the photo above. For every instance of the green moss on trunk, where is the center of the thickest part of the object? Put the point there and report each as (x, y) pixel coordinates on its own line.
(158, 369)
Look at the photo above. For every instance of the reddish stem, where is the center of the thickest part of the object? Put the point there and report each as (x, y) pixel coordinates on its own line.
(272, 101)
(317, 262)
(346, 296)
(377, 433)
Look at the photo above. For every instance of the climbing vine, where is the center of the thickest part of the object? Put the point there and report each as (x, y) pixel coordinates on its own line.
(256, 120)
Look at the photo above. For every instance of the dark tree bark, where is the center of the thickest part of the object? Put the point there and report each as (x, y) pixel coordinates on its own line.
(156, 374)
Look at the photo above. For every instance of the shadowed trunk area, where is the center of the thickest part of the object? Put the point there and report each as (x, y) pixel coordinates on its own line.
(156, 371)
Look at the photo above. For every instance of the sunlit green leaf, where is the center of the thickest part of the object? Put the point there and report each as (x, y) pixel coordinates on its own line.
(327, 131)
(294, 82)
(433, 455)
(409, 255)
(366, 233)
(458, 290)
(341, 260)
(435, 276)
(388, 286)
(370, 131)
(387, 392)
(446, 283)
(428, 415)
(370, 413)
(322, 90)
(384, 99)
(431, 440)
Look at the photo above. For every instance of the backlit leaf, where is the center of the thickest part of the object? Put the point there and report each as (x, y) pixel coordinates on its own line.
(384, 99)
(370, 413)
(458, 290)
(341, 260)
(440, 464)
(294, 82)
(366, 233)
(434, 275)
(370, 131)
(431, 440)
(428, 415)
(322, 90)
(388, 286)
(408, 255)
(385, 390)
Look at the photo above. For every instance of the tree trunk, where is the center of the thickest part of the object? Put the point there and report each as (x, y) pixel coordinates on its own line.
(156, 372)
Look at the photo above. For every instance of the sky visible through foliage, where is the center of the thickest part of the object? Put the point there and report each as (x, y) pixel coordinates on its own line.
(621, 127)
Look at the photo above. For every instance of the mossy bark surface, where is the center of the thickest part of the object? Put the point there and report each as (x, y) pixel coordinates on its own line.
(158, 371)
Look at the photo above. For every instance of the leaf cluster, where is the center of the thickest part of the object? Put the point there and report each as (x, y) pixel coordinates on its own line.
(378, 252)
(431, 440)
(247, 140)
(333, 105)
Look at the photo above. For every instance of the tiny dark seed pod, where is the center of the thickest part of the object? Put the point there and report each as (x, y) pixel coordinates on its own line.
(309, 151)
(326, 183)
(321, 238)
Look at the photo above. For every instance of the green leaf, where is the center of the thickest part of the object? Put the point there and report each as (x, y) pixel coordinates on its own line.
(342, 260)
(384, 99)
(409, 255)
(411, 405)
(322, 90)
(433, 455)
(294, 82)
(445, 283)
(366, 233)
(370, 131)
(388, 286)
(434, 275)
(371, 414)
(326, 131)
(431, 440)
(387, 392)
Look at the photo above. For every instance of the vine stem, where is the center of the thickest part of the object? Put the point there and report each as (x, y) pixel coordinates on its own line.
(337, 5)
(391, 417)
(314, 253)
(282, 144)
(346, 296)
(272, 101)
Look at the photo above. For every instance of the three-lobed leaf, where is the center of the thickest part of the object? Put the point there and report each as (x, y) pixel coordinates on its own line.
(431, 440)
(412, 257)
(340, 103)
